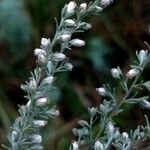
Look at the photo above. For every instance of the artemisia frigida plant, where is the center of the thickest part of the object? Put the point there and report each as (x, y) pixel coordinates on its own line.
(25, 132)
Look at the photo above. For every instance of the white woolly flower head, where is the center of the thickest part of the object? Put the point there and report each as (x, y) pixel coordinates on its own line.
(42, 102)
(39, 123)
(39, 51)
(68, 66)
(144, 103)
(36, 138)
(77, 42)
(45, 42)
(69, 23)
(132, 73)
(75, 145)
(110, 128)
(101, 91)
(32, 84)
(106, 2)
(98, 146)
(125, 135)
(142, 56)
(58, 56)
(82, 7)
(97, 9)
(70, 10)
(41, 60)
(64, 37)
(116, 73)
(48, 80)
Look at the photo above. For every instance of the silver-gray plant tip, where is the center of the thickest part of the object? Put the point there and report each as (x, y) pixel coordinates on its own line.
(25, 133)
(106, 135)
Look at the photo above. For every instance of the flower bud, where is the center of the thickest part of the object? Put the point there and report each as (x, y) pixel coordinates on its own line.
(32, 84)
(39, 123)
(41, 60)
(93, 111)
(110, 128)
(68, 66)
(39, 51)
(48, 80)
(132, 73)
(83, 123)
(42, 102)
(82, 7)
(38, 95)
(75, 146)
(70, 10)
(145, 104)
(13, 135)
(36, 138)
(59, 56)
(142, 56)
(106, 2)
(115, 73)
(69, 23)
(64, 37)
(53, 113)
(125, 135)
(98, 146)
(117, 134)
(97, 9)
(29, 103)
(77, 42)
(45, 42)
(101, 91)
(85, 26)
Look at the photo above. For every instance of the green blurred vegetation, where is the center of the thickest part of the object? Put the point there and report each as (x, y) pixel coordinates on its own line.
(117, 33)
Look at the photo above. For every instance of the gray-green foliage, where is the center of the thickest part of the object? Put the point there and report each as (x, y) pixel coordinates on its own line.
(25, 132)
(106, 135)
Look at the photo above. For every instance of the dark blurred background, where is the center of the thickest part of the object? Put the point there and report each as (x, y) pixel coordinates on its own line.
(117, 33)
